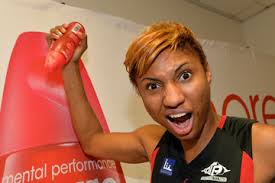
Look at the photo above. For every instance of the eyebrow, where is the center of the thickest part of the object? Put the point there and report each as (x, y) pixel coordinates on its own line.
(151, 79)
(179, 68)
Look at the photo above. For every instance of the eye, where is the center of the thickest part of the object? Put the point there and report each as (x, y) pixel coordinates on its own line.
(185, 75)
(152, 86)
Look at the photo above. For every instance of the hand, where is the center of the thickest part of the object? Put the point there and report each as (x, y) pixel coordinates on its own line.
(58, 31)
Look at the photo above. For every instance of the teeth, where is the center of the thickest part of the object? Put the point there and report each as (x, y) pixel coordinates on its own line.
(177, 115)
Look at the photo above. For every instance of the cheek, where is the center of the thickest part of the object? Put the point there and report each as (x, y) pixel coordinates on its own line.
(199, 94)
(203, 98)
(152, 104)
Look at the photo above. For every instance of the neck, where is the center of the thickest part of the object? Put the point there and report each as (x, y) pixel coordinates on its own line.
(194, 147)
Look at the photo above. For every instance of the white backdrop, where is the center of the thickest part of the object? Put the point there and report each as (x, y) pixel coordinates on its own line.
(237, 71)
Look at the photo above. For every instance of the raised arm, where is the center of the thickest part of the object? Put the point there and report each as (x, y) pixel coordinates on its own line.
(132, 147)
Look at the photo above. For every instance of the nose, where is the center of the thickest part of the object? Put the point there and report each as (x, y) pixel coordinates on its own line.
(173, 95)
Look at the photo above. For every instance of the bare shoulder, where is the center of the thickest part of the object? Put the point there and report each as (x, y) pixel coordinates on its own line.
(263, 138)
(263, 145)
(150, 136)
(152, 129)
(263, 134)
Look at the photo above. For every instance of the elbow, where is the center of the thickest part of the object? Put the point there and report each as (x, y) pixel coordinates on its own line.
(87, 151)
(88, 146)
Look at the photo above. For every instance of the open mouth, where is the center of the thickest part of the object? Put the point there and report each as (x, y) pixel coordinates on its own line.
(181, 122)
(179, 118)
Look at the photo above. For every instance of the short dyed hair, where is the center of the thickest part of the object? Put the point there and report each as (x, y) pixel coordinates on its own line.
(153, 40)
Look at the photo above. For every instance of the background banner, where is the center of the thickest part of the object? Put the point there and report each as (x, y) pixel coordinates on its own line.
(37, 141)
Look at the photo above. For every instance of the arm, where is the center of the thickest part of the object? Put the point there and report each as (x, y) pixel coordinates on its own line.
(131, 147)
(263, 145)
(125, 147)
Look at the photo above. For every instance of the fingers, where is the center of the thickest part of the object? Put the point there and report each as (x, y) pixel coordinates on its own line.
(65, 25)
(83, 45)
(80, 49)
(58, 31)
(84, 42)
(83, 37)
(69, 49)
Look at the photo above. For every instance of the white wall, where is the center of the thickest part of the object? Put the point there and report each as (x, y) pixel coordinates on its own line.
(259, 32)
(205, 24)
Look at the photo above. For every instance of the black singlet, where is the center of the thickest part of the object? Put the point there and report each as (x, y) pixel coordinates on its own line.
(227, 157)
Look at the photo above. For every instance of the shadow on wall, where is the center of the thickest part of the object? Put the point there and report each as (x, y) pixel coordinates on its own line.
(137, 116)
(137, 113)
(140, 171)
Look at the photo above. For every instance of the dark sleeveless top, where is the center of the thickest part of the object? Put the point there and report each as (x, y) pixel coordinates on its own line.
(227, 157)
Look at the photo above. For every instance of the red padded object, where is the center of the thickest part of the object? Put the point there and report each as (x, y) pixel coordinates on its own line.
(35, 125)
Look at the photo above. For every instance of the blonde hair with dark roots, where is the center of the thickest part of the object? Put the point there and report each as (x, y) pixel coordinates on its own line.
(156, 38)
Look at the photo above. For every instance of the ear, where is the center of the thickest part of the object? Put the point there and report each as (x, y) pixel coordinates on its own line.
(208, 73)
